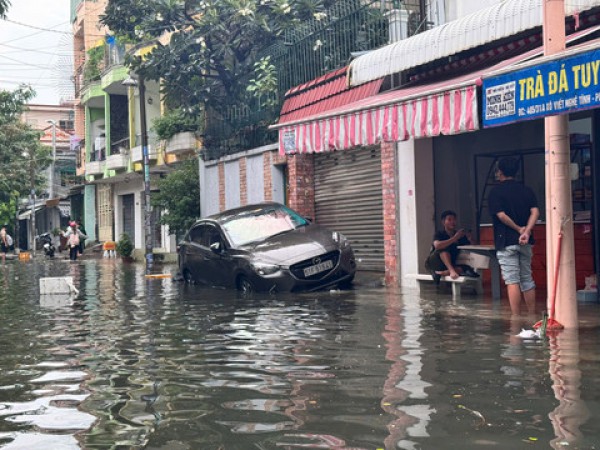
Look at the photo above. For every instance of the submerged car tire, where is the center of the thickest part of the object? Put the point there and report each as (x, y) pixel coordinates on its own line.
(187, 277)
(245, 286)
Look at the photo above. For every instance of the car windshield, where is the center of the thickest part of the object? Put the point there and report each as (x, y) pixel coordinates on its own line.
(261, 224)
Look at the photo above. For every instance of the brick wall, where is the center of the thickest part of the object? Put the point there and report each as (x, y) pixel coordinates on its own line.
(243, 182)
(268, 177)
(221, 186)
(301, 172)
(80, 132)
(390, 222)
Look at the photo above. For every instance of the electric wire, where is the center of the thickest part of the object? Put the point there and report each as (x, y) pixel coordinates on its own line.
(49, 30)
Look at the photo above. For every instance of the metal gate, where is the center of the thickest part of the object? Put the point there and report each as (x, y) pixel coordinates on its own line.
(348, 199)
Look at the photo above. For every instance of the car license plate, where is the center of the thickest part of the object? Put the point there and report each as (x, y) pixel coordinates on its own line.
(317, 268)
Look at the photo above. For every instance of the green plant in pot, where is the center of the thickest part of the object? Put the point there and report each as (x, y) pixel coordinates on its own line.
(125, 247)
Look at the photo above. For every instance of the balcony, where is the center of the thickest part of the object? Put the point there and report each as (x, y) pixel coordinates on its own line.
(185, 142)
(117, 161)
(94, 168)
(137, 155)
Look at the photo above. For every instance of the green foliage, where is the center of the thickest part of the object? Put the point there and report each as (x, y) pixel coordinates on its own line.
(125, 246)
(211, 54)
(179, 197)
(93, 64)
(264, 84)
(22, 157)
(4, 4)
(8, 211)
(176, 121)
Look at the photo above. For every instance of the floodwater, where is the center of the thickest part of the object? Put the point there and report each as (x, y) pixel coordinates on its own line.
(136, 363)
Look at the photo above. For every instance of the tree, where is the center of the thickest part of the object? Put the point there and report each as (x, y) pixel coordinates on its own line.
(22, 156)
(179, 197)
(4, 4)
(211, 55)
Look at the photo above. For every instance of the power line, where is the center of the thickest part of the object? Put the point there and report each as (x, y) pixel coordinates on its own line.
(24, 63)
(21, 49)
(39, 28)
(20, 83)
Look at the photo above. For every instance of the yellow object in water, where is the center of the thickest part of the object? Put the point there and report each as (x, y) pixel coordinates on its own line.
(24, 256)
(159, 275)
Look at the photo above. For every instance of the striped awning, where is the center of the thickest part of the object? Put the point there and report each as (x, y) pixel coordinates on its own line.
(427, 110)
(424, 111)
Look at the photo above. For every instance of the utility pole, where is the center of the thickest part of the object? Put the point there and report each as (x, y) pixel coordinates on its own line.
(559, 206)
(32, 185)
(146, 161)
(148, 244)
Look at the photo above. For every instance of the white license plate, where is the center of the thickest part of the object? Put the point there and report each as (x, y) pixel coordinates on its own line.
(317, 268)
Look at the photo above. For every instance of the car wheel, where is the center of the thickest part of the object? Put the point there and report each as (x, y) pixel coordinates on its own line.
(187, 276)
(245, 286)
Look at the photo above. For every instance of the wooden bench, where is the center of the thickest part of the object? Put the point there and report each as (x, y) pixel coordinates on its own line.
(474, 283)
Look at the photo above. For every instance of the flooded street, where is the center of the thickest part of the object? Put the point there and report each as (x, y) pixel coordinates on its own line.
(154, 364)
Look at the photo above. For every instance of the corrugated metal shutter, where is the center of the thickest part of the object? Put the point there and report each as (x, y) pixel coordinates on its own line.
(348, 199)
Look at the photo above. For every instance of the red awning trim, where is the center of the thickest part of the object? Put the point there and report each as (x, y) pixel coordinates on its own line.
(450, 112)
(323, 94)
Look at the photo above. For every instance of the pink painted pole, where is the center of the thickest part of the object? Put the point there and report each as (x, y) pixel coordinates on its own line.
(559, 206)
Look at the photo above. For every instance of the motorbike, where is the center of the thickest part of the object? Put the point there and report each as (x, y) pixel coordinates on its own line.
(45, 241)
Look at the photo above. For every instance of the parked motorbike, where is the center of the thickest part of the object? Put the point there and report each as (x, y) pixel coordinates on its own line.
(45, 241)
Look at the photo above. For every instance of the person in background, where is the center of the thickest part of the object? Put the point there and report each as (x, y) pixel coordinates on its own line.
(514, 210)
(82, 239)
(4, 242)
(74, 236)
(444, 250)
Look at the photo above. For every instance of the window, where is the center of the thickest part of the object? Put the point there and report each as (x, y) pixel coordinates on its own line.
(66, 124)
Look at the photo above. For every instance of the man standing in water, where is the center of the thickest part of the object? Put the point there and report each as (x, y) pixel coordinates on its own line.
(514, 210)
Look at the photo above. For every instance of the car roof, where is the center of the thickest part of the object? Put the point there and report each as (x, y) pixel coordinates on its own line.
(223, 215)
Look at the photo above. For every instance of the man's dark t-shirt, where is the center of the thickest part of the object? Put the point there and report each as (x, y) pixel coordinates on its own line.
(516, 201)
(441, 235)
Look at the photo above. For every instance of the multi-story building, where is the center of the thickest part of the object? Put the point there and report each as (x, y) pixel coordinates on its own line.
(108, 121)
(61, 198)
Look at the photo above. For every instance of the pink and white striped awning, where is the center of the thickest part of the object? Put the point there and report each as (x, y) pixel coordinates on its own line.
(392, 116)
(428, 110)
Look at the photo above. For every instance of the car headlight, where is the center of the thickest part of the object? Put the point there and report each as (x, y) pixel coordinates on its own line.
(340, 239)
(264, 268)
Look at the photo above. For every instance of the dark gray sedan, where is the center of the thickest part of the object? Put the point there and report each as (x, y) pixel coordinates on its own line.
(265, 247)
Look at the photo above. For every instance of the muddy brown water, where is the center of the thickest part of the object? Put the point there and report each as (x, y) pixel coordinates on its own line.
(144, 363)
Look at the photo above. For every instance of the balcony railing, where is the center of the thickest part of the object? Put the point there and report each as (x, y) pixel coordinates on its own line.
(119, 147)
(137, 156)
(180, 143)
(94, 167)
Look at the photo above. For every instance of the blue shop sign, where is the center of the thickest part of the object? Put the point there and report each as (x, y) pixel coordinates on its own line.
(554, 87)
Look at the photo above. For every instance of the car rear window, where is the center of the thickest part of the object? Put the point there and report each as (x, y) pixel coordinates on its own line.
(261, 224)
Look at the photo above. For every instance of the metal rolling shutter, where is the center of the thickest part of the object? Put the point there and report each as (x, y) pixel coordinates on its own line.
(348, 199)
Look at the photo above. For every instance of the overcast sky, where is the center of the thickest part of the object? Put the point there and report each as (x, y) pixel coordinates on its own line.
(31, 54)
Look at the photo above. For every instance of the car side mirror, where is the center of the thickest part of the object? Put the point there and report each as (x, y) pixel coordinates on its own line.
(308, 219)
(216, 247)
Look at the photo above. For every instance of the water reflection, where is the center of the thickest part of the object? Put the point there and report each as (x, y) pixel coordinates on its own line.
(571, 412)
(134, 362)
(405, 391)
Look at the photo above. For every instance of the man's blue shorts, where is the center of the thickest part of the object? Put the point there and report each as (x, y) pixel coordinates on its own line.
(515, 262)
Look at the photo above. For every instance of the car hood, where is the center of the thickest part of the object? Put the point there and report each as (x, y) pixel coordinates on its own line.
(294, 246)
